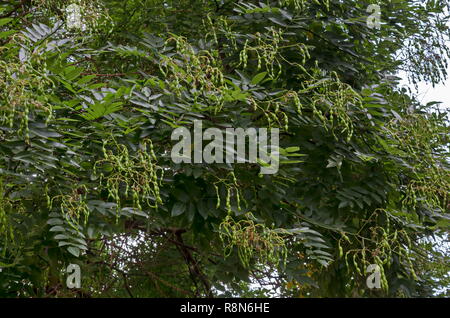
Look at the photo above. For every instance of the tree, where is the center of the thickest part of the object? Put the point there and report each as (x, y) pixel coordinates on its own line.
(86, 116)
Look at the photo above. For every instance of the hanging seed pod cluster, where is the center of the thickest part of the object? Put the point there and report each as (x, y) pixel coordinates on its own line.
(268, 50)
(415, 136)
(232, 189)
(73, 206)
(333, 101)
(253, 241)
(275, 110)
(197, 69)
(6, 206)
(383, 244)
(22, 95)
(126, 176)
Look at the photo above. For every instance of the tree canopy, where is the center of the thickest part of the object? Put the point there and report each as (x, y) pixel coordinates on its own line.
(91, 91)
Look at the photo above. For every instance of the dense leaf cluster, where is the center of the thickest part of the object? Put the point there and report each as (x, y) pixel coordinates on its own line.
(86, 177)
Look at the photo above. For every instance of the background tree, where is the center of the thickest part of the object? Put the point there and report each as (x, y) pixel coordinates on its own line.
(86, 177)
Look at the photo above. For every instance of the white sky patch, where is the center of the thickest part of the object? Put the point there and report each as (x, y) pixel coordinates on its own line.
(427, 93)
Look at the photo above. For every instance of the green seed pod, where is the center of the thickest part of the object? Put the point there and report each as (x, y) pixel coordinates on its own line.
(228, 201)
(217, 196)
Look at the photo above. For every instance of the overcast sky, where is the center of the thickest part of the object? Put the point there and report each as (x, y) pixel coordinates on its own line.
(427, 93)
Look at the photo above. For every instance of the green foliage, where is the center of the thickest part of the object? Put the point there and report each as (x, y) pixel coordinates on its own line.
(86, 176)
